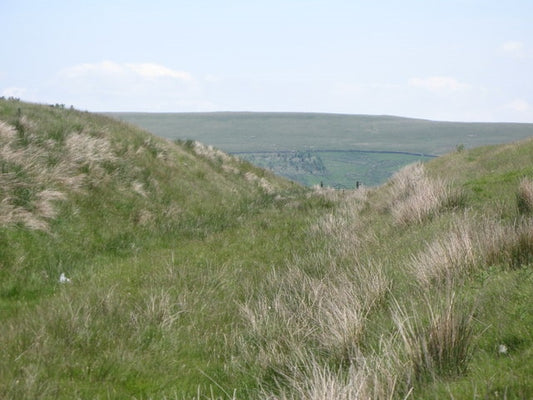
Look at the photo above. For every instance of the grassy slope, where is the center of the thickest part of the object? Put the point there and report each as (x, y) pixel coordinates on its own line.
(497, 288)
(139, 222)
(189, 272)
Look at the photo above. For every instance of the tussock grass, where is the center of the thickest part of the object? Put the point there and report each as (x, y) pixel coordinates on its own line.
(327, 314)
(37, 173)
(447, 257)
(471, 245)
(314, 380)
(305, 327)
(439, 347)
(525, 196)
(414, 196)
(510, 245)
(342, 226)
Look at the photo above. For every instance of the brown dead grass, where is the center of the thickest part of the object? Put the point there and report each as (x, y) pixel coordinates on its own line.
(472, 244)
(525, 196)
(37, 173)
(414, 196)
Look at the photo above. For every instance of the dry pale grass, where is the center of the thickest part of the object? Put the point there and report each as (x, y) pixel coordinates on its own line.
(525, 196)
(309, 379)
(414, 196)
(36, 172)
(325, 310)
(160, 308)
(510, 245)
(138, 188)
(300, 311)
(261, 182)
(210, 152)
(343, 227)
(7, 132)
(446, 257)
(85, 149)
(472, 244)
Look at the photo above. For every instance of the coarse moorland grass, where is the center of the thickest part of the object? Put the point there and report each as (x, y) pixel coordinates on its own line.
(191, 274)
(525, 196)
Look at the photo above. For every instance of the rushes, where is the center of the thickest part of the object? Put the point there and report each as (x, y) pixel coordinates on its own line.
(440, 347)
(525, 196)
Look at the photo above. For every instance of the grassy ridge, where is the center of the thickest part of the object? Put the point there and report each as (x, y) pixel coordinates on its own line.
(233, 132)
(197, 275)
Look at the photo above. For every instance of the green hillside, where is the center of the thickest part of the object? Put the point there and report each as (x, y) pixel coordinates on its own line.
(134, 267)
(274, 140)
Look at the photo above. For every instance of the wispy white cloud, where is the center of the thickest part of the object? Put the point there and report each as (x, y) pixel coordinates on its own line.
(152, 71)
(438, 84)
(110, 85)
(140, 70)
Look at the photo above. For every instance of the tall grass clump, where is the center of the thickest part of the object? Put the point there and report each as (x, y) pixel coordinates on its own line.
(443, 259)
(414, 196)
(471, 244)
(525, 196)
(343, 226)
(298, 312)
(38, 172)
(437, 340)
(310, 379)
(510, 245)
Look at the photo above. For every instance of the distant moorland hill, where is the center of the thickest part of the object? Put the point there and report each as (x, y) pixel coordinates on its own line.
(335, 149)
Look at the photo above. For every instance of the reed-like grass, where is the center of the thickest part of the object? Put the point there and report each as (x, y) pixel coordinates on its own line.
(315, 380)
(473, 244)
(437, 341)
(415, 197)
(525, 196)
(327, 314)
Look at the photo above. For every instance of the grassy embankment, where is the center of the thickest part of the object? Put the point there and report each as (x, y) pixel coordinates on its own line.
(193, 274)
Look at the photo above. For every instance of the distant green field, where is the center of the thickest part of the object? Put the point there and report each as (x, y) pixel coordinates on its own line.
(339, 169)
(256, 135)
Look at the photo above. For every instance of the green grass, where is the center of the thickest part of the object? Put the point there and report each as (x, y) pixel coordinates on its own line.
(235, 132)
(338, 169)
(194, 274)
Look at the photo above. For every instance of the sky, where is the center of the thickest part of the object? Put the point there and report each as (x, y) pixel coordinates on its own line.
(454, 60)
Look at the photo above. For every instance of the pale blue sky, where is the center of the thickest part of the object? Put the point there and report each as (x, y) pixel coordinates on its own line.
(464, 60)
